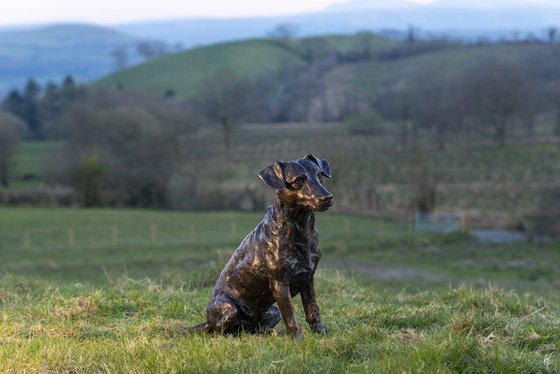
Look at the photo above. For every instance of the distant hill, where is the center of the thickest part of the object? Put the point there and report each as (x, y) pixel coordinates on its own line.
(448, 4)
(185, 72)
(460, 19)
(49, 53)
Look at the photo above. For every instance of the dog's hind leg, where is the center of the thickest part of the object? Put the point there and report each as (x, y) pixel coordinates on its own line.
(223, 316)
(269, 320)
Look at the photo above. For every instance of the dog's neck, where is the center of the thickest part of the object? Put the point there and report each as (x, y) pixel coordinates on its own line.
(287, 215)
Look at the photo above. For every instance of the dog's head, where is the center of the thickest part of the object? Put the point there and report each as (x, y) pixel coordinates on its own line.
(300, 182)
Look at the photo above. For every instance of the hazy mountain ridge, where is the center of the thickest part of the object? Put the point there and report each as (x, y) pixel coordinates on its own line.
(51, 52)
(470, 22)
(450, 4)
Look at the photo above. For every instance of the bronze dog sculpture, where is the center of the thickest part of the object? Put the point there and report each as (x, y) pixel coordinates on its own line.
(277, 260)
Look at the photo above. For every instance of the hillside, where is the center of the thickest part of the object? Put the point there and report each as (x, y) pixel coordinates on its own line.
(373, 76)
(50, 53)
(186, 72)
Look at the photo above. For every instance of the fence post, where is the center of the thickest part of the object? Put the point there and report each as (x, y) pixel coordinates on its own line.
(380, 229)
(347, 227)
(464, 223)
(115, 236)
(153, 234)
(25, 239)
(232, 230)
(193, 232)
(71, 238)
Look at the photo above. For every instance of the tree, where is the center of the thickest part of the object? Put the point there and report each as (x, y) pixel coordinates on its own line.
(226, 100)
(434, 104)
(87, 180)
(26, 107)
(314, 49)
(552, 33)
(424, 182)
(151, 48)
(11, 130)
(136, 139)
(283, 33)
(495, 95)
(412, 34)
(367, 41)
(365, 123)
(120, 55)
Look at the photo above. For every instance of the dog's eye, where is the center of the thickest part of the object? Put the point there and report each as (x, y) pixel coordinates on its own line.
(298, 182)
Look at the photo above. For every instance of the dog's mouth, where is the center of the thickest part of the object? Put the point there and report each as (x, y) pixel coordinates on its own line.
(324, 205)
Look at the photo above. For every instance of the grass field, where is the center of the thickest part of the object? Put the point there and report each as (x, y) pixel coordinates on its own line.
(186, 72)
(110, 290)
(31, 163)
(497, 186)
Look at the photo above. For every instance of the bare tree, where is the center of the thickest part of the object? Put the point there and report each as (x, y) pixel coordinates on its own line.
(412, 34)
(11, 131)
(151, 48)
(225, 100)
(433, 101)
(121, 57)
(495, 95)
(136, 140)
(552, 34)
(314, 49)
(283, 33)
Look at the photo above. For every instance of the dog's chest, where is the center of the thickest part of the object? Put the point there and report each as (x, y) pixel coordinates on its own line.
(302, 254)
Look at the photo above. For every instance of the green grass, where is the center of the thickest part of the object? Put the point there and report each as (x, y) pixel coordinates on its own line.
(449, 63)
(134, 326)
(186, 72)
(85, 245)
(98, 304)
(31, 163)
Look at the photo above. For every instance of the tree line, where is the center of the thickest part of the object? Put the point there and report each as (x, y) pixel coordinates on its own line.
(126, 148)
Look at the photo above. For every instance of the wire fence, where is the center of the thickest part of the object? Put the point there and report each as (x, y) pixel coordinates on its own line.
(336, 229)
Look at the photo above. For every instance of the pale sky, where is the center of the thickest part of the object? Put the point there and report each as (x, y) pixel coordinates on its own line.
(14, 12)
(108, 12)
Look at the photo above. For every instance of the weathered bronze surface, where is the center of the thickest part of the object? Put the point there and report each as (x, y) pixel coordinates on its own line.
(277, 260)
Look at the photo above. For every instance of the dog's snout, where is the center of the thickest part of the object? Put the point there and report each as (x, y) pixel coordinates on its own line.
(326, 198)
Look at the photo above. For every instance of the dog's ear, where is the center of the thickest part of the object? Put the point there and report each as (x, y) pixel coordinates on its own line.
(323, 164)
(273, 176)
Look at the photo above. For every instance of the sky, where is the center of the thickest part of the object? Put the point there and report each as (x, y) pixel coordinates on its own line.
(119, 11)
(110, 12)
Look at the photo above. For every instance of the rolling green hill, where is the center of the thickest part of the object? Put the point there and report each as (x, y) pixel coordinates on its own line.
(186, 72)
(449, 63)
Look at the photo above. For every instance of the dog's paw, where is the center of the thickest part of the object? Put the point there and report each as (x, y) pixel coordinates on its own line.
(320, 330)
(296, 334)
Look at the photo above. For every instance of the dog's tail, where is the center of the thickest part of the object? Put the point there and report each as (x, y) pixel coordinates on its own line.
(201, 327)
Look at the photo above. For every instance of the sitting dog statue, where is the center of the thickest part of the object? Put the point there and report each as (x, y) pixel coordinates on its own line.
(277, 260)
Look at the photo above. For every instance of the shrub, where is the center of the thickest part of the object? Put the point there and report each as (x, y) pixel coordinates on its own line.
(365, 123)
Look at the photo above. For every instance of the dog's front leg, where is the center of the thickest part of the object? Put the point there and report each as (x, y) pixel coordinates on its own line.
(281, 292)
(311, 308)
